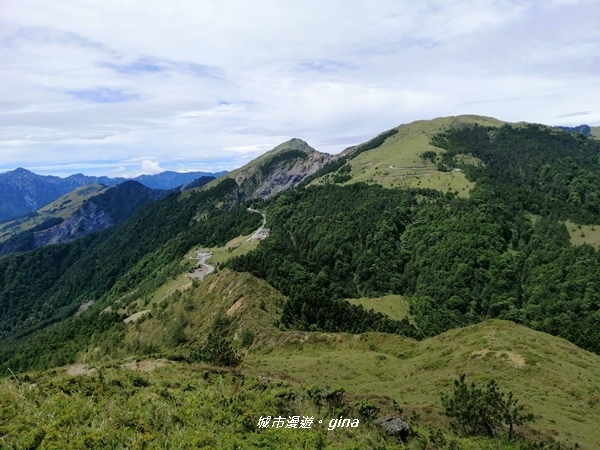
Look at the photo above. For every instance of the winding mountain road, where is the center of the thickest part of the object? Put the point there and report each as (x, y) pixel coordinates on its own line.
(261, 232)
(204, 269)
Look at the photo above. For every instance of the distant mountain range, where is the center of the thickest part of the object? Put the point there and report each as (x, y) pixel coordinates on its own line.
(22, 191)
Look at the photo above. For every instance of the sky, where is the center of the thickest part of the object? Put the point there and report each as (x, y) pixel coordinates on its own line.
(124, 87)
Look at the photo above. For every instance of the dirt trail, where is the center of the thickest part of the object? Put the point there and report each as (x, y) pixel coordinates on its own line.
(204, 269)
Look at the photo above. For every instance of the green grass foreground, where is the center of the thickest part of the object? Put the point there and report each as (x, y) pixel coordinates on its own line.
(174, 407)
(179, 406)
(182, 406)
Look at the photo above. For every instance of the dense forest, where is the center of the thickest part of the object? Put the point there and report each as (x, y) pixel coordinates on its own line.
(546, 171)
(504, 252)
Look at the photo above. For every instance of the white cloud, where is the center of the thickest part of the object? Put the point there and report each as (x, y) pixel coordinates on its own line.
(150, 167)
(211, 83)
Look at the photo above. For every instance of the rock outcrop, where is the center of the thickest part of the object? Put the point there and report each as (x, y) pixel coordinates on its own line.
(84, 221)
(394, 426)
(96, 213)
(279, 170)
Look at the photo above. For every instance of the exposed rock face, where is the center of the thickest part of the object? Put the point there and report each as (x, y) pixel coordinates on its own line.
(99, 212)
(394, 427)
(84, 221)
(281, 169)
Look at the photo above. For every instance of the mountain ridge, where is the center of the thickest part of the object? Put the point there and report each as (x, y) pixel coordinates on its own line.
(476, 269)
(98, 209)
(23, 191)
(394, 158)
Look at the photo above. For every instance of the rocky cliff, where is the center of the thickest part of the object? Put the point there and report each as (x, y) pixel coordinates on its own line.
(279, 170)
(85, 220)
(97, 213)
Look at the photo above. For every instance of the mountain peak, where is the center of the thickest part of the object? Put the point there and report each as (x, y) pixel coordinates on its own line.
(294, 144)
(20, 171)
(277, 170)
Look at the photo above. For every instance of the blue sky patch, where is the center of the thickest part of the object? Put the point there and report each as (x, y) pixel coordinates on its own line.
(145, 65)
(326, 65)
(141, 65)
(105, 95)
(198, 70)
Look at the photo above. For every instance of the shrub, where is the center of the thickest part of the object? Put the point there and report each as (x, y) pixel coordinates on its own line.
(217, 348)
(484, 411)
(366, 408)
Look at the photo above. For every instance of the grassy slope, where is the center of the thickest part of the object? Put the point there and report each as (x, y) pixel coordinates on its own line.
(235, 247)
(393, 306)
(556, 379)
(595, 131)
(397, 162)
(181, 299)
(62, 207)
(584, 234)
(174, 407)
(195, 307)
(559, 381)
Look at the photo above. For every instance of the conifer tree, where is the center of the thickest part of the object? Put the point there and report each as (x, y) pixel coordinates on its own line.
(486, 411)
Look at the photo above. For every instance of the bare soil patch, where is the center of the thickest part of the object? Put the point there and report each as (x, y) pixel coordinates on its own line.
(236, 305)
(80, 369)
(514, 359)
(147, 365)
(134, 317)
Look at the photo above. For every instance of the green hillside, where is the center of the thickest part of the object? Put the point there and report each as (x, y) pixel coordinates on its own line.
(365, 299)
(458, 261)
(398, 161)
(102, 268)
(556, 381)
(394, 306)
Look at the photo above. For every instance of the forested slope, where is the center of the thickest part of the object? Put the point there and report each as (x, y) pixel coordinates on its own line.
(504, 252)
(48, 285)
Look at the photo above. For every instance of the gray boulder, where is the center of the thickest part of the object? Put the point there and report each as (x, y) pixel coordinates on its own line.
(394, 427)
